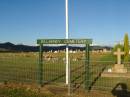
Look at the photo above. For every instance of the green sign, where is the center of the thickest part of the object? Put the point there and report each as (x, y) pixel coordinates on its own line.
(64, 41)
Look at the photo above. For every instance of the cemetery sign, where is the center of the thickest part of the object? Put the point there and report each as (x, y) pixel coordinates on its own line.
(64, 41)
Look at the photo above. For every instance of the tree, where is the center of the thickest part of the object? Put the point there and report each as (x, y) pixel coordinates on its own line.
(117, 46)
(126, 48)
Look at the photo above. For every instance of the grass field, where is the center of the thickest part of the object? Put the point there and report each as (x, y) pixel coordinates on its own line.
(23, 68)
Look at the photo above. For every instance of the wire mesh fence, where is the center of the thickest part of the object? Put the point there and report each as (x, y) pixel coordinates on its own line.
(53, 70)
(102, 76)
(23, 67)
(18, 67)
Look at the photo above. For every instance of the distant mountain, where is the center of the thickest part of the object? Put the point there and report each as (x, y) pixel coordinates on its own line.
(16, 48)
(10, 47)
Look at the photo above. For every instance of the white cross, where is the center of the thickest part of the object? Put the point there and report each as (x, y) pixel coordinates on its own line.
(118, 53)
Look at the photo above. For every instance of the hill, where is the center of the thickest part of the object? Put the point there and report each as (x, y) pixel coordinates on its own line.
(10, 47)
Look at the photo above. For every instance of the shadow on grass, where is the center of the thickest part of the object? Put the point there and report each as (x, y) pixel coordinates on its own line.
(76, 85)
(77, 77)
(76, 69)
(120, 90)
(55, 79)
(96, 78)
(63, 75)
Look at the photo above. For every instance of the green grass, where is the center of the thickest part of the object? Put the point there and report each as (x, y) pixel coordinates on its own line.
(23, 67)
(107, 83)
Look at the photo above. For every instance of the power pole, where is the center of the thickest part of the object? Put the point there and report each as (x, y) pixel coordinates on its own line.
(67, 37)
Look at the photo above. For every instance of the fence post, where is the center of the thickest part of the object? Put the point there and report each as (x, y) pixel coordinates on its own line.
(40, 65)
(87, 68)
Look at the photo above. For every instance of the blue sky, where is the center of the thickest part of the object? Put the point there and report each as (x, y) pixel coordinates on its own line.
(24, 21)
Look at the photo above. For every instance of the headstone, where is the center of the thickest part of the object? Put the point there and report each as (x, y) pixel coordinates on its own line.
(55, 51)
(119, 68)
(119, 53)
(109, 70)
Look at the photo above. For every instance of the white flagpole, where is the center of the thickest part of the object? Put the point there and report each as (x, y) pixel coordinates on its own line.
(67, 36)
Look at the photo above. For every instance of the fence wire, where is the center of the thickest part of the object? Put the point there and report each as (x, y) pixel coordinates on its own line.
(23, 67)
(18, 67)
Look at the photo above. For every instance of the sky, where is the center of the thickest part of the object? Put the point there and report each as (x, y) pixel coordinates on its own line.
(25, 21)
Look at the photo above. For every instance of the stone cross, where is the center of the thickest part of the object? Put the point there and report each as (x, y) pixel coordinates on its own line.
(119, 53)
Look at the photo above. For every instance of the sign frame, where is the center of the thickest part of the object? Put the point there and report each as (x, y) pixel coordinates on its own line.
(64, 41)
(87, 43)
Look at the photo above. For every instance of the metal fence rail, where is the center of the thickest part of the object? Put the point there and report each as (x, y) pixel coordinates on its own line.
(23, 68)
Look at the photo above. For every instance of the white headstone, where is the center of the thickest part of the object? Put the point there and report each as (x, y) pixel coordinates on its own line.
(109, 70)
(119, 53)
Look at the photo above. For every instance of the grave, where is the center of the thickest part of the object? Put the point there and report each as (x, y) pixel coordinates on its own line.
(118, 70)
(119, 67)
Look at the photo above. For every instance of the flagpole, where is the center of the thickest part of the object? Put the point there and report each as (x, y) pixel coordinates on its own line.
(67, 37)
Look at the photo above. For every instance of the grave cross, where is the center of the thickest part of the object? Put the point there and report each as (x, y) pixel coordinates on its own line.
(119, 53)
